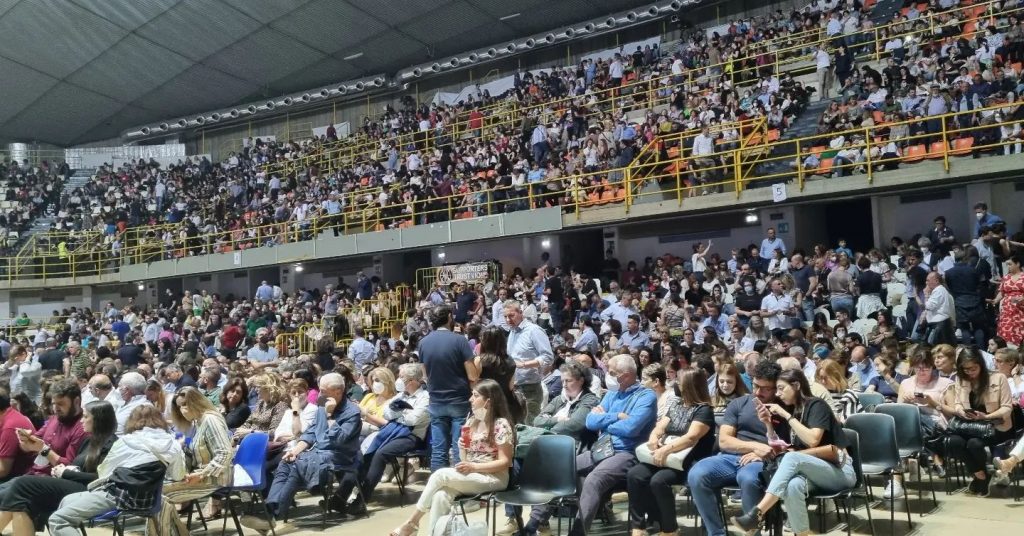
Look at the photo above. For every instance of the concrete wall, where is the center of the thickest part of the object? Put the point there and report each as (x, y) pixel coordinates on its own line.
(906, 215)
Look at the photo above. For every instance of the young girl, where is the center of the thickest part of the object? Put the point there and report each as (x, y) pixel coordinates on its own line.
(729, 386)
(486, 450)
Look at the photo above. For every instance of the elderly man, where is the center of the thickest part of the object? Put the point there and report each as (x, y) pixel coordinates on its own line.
(361, 351)
(101, 388)
(331, 444)
(625, 417)
(408, 410)
(531, 349)
(939, 311)
(132, 389)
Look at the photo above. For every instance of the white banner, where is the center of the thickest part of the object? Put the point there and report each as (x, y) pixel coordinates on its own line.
(470, 272)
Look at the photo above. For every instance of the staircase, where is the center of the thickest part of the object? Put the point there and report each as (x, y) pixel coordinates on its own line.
(884, 10)
(43, 223)
(806, 124)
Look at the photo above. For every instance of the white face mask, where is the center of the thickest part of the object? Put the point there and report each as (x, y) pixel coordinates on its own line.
(611, 382)
(979, 215)
(480, 414)
(400, 385)
(378, 388)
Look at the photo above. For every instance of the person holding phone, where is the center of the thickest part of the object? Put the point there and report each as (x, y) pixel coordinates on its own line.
(932, 394)
(980, 396)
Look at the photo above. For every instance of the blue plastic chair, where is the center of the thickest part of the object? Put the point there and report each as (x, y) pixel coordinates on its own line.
(250, 457)
(117, 517)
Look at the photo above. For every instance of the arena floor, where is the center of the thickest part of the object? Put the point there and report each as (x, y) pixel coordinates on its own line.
(956, 515)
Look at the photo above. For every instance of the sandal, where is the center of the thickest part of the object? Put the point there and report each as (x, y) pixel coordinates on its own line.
(405, 529)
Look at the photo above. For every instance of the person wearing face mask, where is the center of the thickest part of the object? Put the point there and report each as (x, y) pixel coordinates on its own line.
(381, 382)
(403, 427)
(984, 218)
(623, 420)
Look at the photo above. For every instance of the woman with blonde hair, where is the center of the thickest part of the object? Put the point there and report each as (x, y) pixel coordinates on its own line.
(208, 457)
(832, 376)
(270, 407)
(382, 389)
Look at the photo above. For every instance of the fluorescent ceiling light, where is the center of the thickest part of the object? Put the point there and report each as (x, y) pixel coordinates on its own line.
(510, 16)
(353, 56)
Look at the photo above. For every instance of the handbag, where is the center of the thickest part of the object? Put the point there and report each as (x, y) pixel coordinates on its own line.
(602, 448)
(971, 429)
(672, 461)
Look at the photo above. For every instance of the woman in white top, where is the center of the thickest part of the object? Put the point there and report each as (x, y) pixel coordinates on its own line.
(1008, 364)
(654, 378)
(699, 264)
(779, 264)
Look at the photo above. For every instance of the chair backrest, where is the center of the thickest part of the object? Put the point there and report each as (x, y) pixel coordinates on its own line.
(881, 450)
(908, 424)
(869, 400)
(550, 465)
(251, 456)
(853, 449)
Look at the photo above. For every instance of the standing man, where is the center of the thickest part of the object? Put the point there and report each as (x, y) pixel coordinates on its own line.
(777, 308)
(361, 351)
(806, 280)
(985, 218)
(823, 64)
(770, 244)
(939, 311)
(556, 298)
(530, 347)
(498, 309)
(448, 360)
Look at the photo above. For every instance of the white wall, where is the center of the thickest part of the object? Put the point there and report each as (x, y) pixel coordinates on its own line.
(893, 218)
(636, 249)
(523, 252)
(1007, 203)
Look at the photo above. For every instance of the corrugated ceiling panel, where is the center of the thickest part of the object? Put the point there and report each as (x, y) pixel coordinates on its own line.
(263, 56)
(197, 29)
(21, 86)
(326, 71)
(395, 13)
(445, 23)
(387, 49)
(267, 10)
(328, 25)
(30, 27)
(128, 15)
(500, 8)
(198, 89)
(117, 73)
(62, 114)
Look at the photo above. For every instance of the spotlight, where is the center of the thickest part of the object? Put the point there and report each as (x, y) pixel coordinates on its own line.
(751, 217)
(546, 243)
(142, 286)
(440, 255)
(299, 268)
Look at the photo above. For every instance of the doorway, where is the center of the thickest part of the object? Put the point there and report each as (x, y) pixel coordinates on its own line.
(851, 220)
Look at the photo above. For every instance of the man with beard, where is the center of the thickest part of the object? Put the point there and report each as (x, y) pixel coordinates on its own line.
(56, 443)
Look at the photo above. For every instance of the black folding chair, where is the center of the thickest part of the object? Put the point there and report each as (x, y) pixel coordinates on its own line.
(910, 440)
(853, 449)
(880, 456)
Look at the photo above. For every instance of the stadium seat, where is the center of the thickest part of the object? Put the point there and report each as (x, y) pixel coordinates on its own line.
(962, 146)
(878, 115)
(914, 153)
(773, 135)
(936, 149)
(825, 167)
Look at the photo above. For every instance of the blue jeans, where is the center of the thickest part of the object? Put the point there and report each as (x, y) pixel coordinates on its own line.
(843, 302)
(445, 426)
(800, 474)
(708, 476)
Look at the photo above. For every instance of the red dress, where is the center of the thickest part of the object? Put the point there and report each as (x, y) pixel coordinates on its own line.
(1011, 312)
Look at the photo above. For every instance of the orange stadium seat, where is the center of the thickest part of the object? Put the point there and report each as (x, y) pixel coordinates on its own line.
(825, 167)
(914, 153)
(962, 146)
(936, 149)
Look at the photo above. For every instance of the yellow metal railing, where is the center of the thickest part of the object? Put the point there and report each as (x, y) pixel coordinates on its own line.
(733, 167)
(786, 52)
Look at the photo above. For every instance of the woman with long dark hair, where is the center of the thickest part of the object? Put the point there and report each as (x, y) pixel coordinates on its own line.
(486, 448)
(495, 364)
(980, 396)
(234, 402)
(817, 457)
(31, 499)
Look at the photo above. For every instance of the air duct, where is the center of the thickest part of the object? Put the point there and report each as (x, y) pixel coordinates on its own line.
(164, 127)
(549, 38)
(628, 18)
(609, 23)
(568, 33)
(528, 44)
(196, 121)
(181, 123)
(145, 131)
(586, 28)
(378, 82)
(342, 90)
(214, 117)
(651, 11)
(491, 52)
(436, 67)
(417, 72)
(287, 101)
(252, 109)
(509, 49)
(267, 106)
(306, 97)
(233, 114)
(359, 86)
(454, 62)
(675, 5)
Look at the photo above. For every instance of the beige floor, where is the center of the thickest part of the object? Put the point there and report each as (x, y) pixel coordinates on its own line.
(956, 515)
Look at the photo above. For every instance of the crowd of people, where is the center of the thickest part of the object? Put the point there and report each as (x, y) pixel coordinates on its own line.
(30, 191)
(766, 348)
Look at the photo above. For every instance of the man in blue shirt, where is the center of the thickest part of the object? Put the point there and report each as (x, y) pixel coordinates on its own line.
(330, 444)
(626, 416)
(985, 218)
(528, 345)
(587, 340)
(770, 244)
(743, 441)
(448, 360)
(716, 320)
(861, 366)
(633, 338)
(265, 292)
(361, 351)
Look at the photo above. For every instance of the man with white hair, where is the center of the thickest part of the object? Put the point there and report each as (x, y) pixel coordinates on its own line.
(625, 418)
(132, 389)
(330, 444)
(531, 349)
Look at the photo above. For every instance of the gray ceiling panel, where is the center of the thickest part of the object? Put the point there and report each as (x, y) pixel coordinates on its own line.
(62, 114)
(197, 89)
(127, 15)
(31, 27)
(342, 23)
(265, 55)
(394, 13)
(268, 10)
(116, 73)
(197, 29)
(129, 62)
(321, 73)
(444, 23)
(22, 86)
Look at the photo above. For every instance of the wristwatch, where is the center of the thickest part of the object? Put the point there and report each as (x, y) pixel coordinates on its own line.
(295, 413)
(46, 451)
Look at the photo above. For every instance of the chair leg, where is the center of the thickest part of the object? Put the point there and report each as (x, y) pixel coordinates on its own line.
(931, 484)
(906, 502)
(892, 509)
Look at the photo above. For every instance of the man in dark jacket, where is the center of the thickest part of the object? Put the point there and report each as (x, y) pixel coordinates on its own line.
(965, 283)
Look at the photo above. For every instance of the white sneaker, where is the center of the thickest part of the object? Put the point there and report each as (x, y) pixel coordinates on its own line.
(508, 528)
(893, 490)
